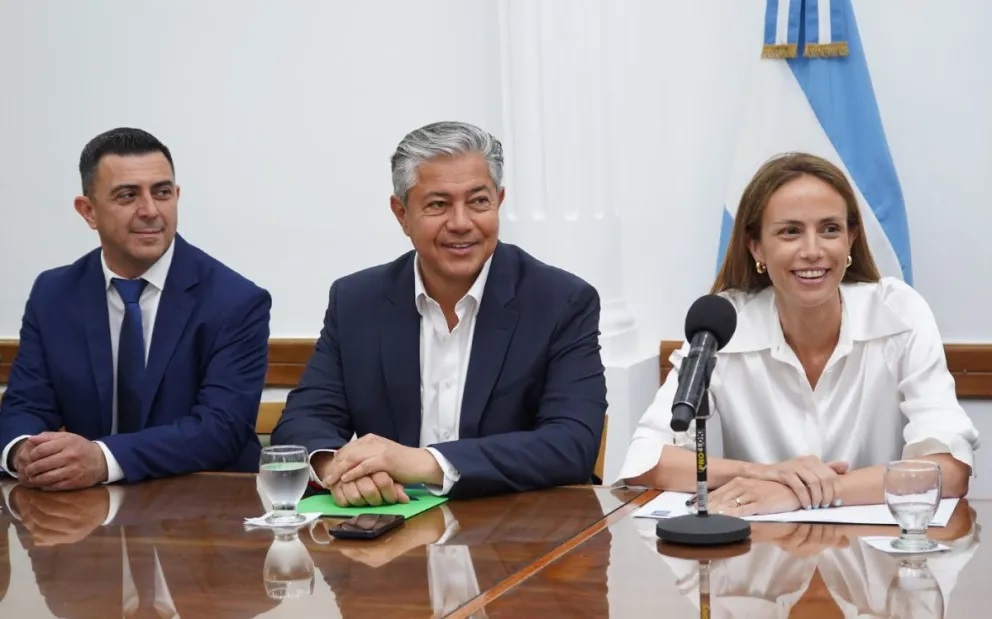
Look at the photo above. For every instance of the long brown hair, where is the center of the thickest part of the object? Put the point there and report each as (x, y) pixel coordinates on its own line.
(738, 268)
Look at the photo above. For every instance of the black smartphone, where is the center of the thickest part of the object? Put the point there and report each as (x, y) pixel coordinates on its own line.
(366, 526)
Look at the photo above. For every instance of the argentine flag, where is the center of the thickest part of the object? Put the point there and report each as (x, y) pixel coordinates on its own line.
(813, 93)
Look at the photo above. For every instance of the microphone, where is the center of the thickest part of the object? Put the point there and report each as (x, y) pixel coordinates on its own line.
(709, 325)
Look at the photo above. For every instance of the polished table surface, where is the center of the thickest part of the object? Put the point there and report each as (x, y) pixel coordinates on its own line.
(185, 536)
(566, 552)
(785, 570)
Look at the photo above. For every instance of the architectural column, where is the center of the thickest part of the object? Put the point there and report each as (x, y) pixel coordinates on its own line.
(555, 131)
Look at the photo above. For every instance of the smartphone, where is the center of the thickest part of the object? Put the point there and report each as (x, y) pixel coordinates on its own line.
(366, 526)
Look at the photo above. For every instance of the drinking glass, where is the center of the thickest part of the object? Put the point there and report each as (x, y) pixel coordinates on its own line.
(912, 492)
(284, 471)
(288, 569)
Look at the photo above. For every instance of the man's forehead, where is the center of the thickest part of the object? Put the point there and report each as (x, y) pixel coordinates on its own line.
(144, 168)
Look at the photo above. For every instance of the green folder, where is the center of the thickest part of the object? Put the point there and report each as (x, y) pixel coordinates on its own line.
(420, 501)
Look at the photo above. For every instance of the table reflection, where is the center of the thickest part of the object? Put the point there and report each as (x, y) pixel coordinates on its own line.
(461, 549)
(288, 569)
(178, 547)
(795, 569)
(139, 544)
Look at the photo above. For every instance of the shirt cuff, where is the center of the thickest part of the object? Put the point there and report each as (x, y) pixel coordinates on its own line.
(451, 474)
(313, 474)
(114, 471)
(6, 454)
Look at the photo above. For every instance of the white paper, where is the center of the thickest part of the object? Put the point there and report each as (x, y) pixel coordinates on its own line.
(671, 504)
(884, 543)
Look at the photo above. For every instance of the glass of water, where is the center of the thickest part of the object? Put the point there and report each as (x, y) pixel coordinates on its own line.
(912, 492)
(284, 471)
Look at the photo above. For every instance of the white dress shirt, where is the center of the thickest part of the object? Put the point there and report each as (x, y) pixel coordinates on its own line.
(444, 357)
(885, 392)
(150, 296)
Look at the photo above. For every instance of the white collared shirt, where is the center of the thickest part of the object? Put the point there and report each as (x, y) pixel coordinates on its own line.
(150, 296)
(885, 392)
(444, 357)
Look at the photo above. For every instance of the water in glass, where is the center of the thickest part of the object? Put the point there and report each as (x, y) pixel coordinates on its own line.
(912, 493)
(283, 473)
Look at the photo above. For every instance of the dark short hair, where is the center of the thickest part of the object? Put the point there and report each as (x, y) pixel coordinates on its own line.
(120, 141)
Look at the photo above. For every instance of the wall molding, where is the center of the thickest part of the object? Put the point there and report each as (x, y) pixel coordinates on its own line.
(970, 365)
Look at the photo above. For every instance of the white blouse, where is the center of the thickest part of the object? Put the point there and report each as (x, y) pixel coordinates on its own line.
(885, 392)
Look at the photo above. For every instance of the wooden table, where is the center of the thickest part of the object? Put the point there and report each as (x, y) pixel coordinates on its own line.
(59, 559)
(566, 552)
(785, 570)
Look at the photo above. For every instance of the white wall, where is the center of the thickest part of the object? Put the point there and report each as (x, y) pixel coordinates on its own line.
(282, 116)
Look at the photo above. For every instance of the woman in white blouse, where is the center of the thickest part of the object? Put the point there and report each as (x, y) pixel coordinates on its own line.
(832, 372)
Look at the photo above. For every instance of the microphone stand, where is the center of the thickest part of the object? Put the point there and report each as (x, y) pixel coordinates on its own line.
(703, 528)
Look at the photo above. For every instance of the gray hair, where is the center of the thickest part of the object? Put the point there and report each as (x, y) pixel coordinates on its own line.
(438, 139)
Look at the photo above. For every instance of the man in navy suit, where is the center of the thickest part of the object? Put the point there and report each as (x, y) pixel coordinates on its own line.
(465, 365)
(150, 354)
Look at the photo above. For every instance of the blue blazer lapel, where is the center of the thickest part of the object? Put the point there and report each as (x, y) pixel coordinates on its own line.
(174, 310)
(399, 346)
(494, 327)
(93, 289)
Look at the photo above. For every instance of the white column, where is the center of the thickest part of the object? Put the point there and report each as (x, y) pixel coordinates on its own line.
(555, 134)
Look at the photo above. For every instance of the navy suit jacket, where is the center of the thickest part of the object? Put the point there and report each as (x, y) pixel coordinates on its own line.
(535, 394)
(204, 378)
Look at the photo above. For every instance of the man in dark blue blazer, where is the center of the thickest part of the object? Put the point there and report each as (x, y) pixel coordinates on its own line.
(150, 354)
(466, 365)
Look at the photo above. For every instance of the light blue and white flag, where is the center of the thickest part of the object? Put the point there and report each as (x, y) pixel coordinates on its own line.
(813, 93)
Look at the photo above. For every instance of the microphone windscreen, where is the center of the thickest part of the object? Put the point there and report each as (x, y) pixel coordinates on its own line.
(712, 313)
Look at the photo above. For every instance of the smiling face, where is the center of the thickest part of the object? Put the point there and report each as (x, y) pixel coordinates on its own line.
(451, 215)
(132, 205)
(804, 242)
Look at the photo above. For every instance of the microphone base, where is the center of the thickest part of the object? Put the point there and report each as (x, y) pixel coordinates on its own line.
(710, 530)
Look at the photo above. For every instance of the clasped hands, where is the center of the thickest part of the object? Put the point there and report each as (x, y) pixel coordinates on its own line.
(59, 461)
(800, 483)
(373, 470)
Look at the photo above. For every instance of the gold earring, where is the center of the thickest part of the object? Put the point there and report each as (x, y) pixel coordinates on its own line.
(759, 267)
(849, 260)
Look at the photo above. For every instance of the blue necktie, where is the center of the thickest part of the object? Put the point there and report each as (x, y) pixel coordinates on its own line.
(130, 357)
